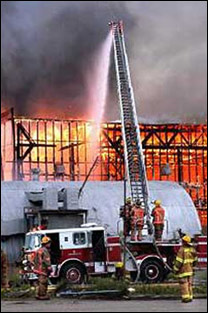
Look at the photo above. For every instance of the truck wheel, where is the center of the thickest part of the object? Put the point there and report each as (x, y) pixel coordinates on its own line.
(73, 273)
(151, 271)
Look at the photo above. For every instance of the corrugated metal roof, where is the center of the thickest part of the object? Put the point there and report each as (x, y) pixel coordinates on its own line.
(103, 199)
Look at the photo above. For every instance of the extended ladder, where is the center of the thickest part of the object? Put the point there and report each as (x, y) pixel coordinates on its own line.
(131, 134)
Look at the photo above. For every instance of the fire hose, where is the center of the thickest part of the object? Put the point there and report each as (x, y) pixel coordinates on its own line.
(137, 265)
(160, 256)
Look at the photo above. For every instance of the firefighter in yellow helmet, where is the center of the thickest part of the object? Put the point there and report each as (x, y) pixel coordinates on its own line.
(158, 214)
(184, 263)
(42, 267)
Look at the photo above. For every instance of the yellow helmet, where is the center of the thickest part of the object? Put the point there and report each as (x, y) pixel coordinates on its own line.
(187, 239)
(45, 240)
(157, 202)
(119, 264)
(128, 200)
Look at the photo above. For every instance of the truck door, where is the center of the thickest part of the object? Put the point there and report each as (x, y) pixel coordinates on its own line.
(98, 246)
(55, 248)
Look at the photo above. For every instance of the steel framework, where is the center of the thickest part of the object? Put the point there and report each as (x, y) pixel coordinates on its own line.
(63, 150)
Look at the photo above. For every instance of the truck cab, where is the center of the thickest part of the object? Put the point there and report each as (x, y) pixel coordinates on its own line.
(76, 252)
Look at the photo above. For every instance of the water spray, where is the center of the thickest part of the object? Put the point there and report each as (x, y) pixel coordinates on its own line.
(98, 87)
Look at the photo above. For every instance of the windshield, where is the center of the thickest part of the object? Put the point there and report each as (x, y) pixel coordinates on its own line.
(33, 241)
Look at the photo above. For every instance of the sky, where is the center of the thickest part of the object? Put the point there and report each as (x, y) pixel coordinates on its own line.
(48, 49)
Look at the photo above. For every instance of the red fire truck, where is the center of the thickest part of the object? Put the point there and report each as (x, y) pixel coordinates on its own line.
(79, 252)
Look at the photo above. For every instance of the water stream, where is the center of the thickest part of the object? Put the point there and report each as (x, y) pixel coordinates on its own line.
(98, 86)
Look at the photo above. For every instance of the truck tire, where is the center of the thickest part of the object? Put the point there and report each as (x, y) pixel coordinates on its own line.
(152, 271)
(73, 273)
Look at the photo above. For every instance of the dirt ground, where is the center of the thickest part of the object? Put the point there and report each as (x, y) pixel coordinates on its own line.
(68, 305)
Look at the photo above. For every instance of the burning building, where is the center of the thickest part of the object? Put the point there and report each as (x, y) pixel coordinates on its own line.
(63, 150)
(45, 161)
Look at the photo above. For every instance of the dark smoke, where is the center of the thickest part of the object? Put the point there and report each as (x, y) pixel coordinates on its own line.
(47, 47)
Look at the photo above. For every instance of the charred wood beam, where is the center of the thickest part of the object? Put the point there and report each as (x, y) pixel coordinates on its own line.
(22, 130)
(115, 144)
(30, 145)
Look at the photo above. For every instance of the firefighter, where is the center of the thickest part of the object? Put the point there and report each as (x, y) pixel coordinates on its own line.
(42, 267)
(158, 214)
(127, 216)
(137, 221)
(119, 270)
(4, 270)
(184, 263)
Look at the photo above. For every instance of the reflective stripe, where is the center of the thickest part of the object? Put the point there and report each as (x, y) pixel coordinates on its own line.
(185, 274)
(189, 250)
(189, 261)
(186, 296)
(179, 259)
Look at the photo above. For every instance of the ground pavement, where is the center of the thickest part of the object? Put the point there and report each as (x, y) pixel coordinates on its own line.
(68, 305)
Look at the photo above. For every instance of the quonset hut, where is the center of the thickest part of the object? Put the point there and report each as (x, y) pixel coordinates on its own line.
(23, 203)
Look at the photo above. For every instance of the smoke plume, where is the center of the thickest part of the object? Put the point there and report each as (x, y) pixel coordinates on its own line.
(48, 47)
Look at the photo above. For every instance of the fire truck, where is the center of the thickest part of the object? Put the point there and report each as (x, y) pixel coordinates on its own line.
(77, 253)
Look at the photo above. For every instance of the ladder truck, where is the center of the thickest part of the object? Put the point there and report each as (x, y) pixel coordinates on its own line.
(134, 159)
(154, 261)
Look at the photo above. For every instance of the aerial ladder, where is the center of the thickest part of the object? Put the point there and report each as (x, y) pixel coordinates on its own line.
(134, 159)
